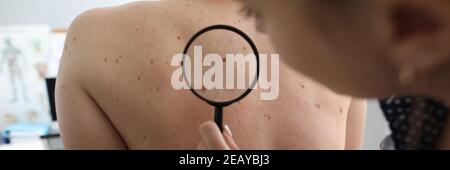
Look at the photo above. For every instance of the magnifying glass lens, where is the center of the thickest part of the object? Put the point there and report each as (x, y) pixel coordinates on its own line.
(220, 66)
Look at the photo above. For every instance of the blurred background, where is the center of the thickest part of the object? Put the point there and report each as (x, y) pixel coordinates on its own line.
(32, 35)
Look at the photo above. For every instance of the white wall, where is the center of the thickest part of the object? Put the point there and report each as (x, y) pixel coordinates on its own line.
(376, 126)
(57, 13)
(60, 13)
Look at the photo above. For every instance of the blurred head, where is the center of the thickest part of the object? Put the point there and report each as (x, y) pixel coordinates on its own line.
(371, 48)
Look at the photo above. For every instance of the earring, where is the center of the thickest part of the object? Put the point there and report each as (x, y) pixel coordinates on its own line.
(407, 74)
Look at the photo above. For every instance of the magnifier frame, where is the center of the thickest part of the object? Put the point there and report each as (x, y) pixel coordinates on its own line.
(218, 106)
(249, 41)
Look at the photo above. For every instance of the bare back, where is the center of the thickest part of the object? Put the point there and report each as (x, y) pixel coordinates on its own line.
(114, 86)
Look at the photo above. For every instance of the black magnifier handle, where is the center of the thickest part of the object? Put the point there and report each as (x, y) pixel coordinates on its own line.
(218, 117)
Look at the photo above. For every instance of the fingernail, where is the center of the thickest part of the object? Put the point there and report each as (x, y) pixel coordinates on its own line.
(228, 130)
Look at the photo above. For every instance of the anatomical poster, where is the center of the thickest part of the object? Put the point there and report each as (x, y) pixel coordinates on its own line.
(23, 69)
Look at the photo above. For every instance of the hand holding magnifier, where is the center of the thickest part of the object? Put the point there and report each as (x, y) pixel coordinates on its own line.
(225, 96)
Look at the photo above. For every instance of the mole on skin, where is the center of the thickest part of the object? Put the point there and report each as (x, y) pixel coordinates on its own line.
(317, 106)
(268, 117)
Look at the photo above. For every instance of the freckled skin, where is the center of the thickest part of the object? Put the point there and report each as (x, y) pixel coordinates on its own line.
(130, 111)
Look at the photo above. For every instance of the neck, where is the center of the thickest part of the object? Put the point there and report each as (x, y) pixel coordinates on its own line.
(439, 85)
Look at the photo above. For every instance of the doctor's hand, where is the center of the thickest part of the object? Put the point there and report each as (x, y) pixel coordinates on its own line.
(213, 139)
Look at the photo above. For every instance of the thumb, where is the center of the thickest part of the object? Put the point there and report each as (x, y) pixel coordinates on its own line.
(229, 138)
(212, 136)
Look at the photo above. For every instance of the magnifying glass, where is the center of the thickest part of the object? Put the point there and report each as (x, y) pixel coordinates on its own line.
(220, 78)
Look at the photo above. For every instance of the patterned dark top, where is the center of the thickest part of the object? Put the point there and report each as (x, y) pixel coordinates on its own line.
(415, 122)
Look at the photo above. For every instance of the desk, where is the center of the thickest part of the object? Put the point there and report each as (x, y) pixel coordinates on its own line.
(31, 145)
(51, 141)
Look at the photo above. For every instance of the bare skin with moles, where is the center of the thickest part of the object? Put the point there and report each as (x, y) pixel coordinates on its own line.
(114, 89)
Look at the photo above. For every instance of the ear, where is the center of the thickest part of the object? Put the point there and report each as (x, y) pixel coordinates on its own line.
(420, 36)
